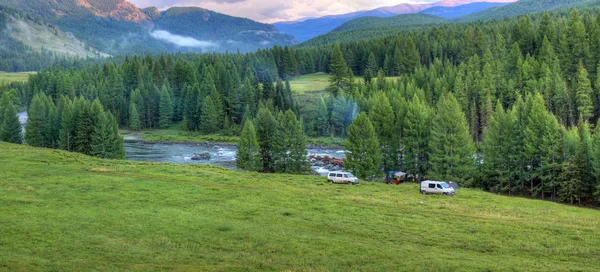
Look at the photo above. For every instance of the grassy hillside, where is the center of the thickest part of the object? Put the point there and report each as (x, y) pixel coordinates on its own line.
(64, 211)
(528, 6)
(13, 77)
(396, 21)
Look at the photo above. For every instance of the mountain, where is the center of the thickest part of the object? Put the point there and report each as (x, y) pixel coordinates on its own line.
(215, 30)
(308, 29)
(462, 10)
(118, 27)
(528, 6)
(305, 30)
(389, 22)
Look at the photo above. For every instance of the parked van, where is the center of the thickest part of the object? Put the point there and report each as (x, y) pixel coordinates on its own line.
(436, 187)
(342, 177)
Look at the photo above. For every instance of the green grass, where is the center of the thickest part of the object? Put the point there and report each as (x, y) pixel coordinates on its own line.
(14, 77)
(67, 212)
(310, 83)
(317, 83)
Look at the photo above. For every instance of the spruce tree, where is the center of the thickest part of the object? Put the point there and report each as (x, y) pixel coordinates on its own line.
(209, 119)
(451, 147)
(35, 128)
(248, 155)
(416, 137)
(10, 128)
(84, 130)
(584, 93)
(165, 108)
(134, 117)
(382, 118)
(67, 124)
(338, 79)
(363, 157)
(265, 132)
(289, 145)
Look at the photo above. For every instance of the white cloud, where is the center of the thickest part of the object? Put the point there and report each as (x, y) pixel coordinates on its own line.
(182, 41)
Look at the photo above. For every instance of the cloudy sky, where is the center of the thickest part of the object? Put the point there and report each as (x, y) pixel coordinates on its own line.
(270, 11)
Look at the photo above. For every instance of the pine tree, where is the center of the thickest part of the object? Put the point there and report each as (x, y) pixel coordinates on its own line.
(35, 128)
(134, 117)
(416, 137)
(67, 124)
(382, 118)
(451, 147)
(372, 65)
(338, 79)
(165, 108)
(411, 58)
(380, 80)
(322, 118)
(209, 119)
(84, 130)
(265, 132)
(248, 155)
(289, 145)
(363, 157)
(10, 128)
(495, 156)
(584, 93)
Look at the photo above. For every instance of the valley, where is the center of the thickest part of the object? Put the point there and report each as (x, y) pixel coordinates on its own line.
(178, 135)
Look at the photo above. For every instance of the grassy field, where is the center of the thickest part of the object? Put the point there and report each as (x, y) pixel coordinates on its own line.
(67, 212)
(316, 83)
(14, 77)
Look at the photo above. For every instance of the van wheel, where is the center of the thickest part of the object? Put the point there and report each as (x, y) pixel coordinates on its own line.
(330, 181)
(423, 192)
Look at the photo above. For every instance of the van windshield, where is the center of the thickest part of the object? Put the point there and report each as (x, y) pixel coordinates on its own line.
(350, 175)
(445, 185)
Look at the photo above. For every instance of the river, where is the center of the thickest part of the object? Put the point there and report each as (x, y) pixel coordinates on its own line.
(182, 153)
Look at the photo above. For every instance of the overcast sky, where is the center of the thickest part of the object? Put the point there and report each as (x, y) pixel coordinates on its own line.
(270, 11)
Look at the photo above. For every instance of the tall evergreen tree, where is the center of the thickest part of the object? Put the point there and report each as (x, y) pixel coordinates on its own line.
(134, 117)
(338, 78)
(35, 128)
(265, 132)
(289, 145)
(452, 151)
(209, 119)
(165, 108)
(10, 128)
(363, 157)
(248, 155)
(584, 92)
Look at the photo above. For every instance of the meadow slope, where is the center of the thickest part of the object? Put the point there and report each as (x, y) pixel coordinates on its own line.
(65, 211)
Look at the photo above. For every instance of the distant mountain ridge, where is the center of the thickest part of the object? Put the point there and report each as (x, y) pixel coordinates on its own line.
(310, 28)
(458, 11)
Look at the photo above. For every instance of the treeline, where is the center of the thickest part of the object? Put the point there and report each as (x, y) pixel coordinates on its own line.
(524, 151)
(75, 125)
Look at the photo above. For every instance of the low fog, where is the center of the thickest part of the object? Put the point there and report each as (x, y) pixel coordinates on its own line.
(182, 41)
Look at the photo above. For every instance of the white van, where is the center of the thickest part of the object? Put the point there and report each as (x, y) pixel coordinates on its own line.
(342, 177)
(436, 187)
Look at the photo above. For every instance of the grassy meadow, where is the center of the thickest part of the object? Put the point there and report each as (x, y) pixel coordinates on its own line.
(14, 77)
(68, 212)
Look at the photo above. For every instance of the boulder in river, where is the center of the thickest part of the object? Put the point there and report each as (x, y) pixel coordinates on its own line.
(205, 156)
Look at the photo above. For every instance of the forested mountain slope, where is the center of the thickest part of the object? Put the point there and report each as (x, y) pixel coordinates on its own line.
(31, 45)
(391, 22)
(458, 11)
(514, 9)
(118, 27)
(528, 6)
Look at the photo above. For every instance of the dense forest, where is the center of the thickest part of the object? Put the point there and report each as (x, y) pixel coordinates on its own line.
(508, 106)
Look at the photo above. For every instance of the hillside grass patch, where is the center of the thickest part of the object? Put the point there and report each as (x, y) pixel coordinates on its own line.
(58, 215)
